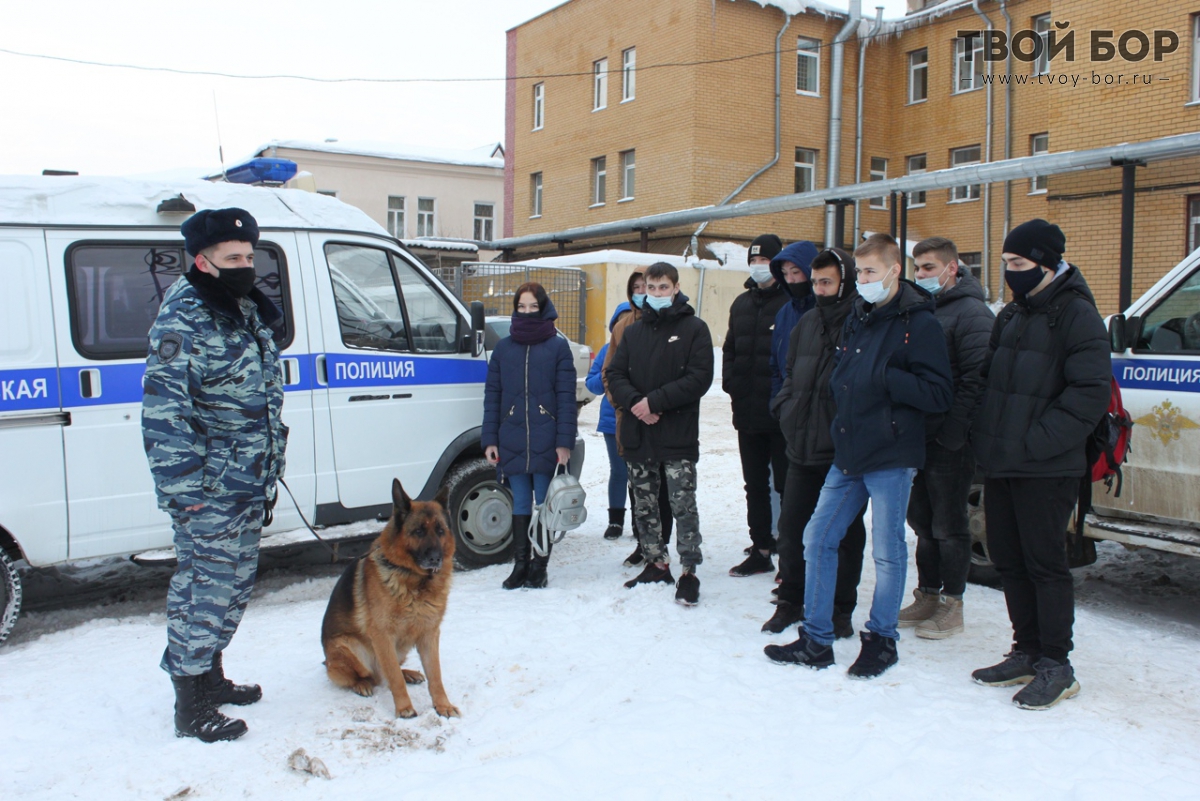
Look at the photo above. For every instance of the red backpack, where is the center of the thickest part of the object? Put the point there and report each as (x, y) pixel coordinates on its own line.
(1108, 445)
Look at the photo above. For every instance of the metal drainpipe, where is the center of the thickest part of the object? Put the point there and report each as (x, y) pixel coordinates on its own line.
(987, 157)
(858, 116)
(695, 244)
(1007, 130)
(835, 110)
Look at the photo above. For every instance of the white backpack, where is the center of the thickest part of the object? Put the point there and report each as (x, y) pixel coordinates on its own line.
(564, 509)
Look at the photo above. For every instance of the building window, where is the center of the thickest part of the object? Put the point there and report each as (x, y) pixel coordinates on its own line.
(959, 157)
(535, 195)
(878, 173)
(806, 170)
(425, 220)
(539, 105)
(1039, 144)
(808, 66)
(1041, 26)
(599, 180)
(918, 76)
(974, 263)
(485, 216)
(1193, 222)
(968, 64)
(395, 217)
(628, 174)
(916, 166)
(600, 84)
(628, 74)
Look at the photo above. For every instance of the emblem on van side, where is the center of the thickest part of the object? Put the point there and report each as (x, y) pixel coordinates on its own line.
(1165, 422)
(169, 347)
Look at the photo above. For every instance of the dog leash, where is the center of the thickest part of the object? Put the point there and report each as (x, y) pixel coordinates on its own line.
(307, 525)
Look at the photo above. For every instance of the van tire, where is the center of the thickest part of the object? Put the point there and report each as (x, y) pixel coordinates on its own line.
(480, 512)
(981, 571)
(10, 596)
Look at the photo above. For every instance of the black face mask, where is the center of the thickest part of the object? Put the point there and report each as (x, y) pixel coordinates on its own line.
(1022, 282)
(827, 300)
(800, 291)
(537, 315)
(237, 281)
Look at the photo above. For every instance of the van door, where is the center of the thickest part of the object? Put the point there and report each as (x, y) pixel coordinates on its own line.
(111, 286)
(1160, 386)
(399, 391)
(33, 499)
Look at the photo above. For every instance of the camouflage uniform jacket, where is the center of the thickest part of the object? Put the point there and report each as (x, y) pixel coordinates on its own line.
(213, 396)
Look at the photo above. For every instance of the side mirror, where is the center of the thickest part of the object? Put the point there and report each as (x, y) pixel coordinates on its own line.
(1116, 333)
(477, 315)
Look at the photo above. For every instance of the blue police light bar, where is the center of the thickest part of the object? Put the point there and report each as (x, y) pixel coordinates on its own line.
(262, 171)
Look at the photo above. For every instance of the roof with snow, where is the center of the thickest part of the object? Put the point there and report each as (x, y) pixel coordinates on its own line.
(66, 201)
(489, 155)
(440, 244)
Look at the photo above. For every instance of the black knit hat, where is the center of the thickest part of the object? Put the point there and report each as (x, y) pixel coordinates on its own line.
(766, 245)
(214, 226)
(1038, 241)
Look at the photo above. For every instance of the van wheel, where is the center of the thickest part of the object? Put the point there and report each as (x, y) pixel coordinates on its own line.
(10, 596)
(982, 571)
(480, 510)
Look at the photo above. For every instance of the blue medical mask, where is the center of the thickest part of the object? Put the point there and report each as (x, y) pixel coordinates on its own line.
(639, 299)
(657, 303)
(760, 275)
(932, 284)
(874, 292)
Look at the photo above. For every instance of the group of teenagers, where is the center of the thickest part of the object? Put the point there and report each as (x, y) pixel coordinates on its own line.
(849, 383)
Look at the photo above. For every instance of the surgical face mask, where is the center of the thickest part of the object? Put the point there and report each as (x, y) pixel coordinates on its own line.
(932, 284)
(657, 303)
(1022, 282)
(760, 275)
(639, 299)
(874, 292)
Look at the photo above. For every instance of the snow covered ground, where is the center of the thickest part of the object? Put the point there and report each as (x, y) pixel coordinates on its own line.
(588, 690)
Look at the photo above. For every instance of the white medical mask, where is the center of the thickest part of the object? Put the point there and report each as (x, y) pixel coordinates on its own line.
(639, 299)
(760, 275)
(932, 284)
(657, 303)
(874, 292)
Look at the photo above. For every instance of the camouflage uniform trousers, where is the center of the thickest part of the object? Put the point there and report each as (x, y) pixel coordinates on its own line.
(681, 487)
(217, 551)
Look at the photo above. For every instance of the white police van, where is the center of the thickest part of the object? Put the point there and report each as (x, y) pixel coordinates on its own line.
(1156, 361)
(383, 367)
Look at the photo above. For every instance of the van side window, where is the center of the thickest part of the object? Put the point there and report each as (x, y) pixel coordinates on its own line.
(1174, 324)
(433, 321)
(115, 290)
(368, 301)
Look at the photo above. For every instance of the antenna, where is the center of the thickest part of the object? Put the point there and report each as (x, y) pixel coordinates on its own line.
(220, 148)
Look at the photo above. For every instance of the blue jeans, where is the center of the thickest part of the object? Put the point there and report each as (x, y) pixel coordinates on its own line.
(618, 474)
(841, 499)
(524, 486)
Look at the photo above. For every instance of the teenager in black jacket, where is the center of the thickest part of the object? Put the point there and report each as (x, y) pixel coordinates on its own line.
(746, 378)
(660, 371)
(1048, 374)
(891, 371)
(806, 410)
(937, 507)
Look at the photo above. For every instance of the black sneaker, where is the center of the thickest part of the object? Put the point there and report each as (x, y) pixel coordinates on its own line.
(787, 614)
(1016, 668)
(653, 574)
(877, 655)
(757, 562)
(687, 589)
(803, 651)
(636, 558)
(843, 626)
(1054, 682)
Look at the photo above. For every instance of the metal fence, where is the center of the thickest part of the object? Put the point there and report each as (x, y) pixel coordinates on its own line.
(495, 283)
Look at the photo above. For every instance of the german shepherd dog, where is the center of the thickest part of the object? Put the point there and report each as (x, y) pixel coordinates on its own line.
(390, 600)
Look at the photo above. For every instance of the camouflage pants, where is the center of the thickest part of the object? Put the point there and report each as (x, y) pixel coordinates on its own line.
(681, 487)
(217, 550)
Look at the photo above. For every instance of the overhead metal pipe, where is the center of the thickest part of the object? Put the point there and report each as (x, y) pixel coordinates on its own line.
(1023, 168)
(835, 109)
(858, 115)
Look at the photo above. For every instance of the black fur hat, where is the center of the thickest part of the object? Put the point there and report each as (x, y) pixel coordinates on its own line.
(214, 226)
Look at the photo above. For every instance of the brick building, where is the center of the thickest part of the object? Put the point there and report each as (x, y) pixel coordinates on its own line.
(619, 109)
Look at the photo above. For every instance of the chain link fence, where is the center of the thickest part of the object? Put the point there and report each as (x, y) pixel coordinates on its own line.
(495, 283)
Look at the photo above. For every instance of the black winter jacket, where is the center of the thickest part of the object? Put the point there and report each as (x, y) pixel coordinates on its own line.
(892, 370)
(746, 374)
(805, 401)
(667, 358)
(1047, 375)
(967, 321)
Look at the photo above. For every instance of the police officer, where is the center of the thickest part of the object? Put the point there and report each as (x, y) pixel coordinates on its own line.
(214, 437)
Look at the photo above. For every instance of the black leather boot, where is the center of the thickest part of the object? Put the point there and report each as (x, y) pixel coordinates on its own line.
(536, 579)
(197, 716)
(224, 691)
(616, 524)
(521, 547)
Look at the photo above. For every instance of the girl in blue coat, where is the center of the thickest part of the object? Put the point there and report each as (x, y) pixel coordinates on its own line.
(529, 416)
(618, 474)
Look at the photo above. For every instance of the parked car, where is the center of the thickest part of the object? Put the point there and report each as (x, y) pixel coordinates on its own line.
(496, 329)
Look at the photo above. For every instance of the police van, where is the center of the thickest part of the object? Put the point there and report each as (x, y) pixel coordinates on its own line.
(383, 368)
(1156, 360)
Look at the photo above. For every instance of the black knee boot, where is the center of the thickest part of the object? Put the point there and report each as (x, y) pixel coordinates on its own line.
(197, 716)
(616, 524)
(536, 578)
(521, 545)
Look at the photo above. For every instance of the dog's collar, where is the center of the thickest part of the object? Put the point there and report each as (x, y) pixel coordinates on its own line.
(383, 562)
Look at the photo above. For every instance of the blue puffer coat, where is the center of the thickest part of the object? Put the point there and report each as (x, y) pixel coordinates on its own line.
(800, 254)
(595, 381)
(529, 402)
